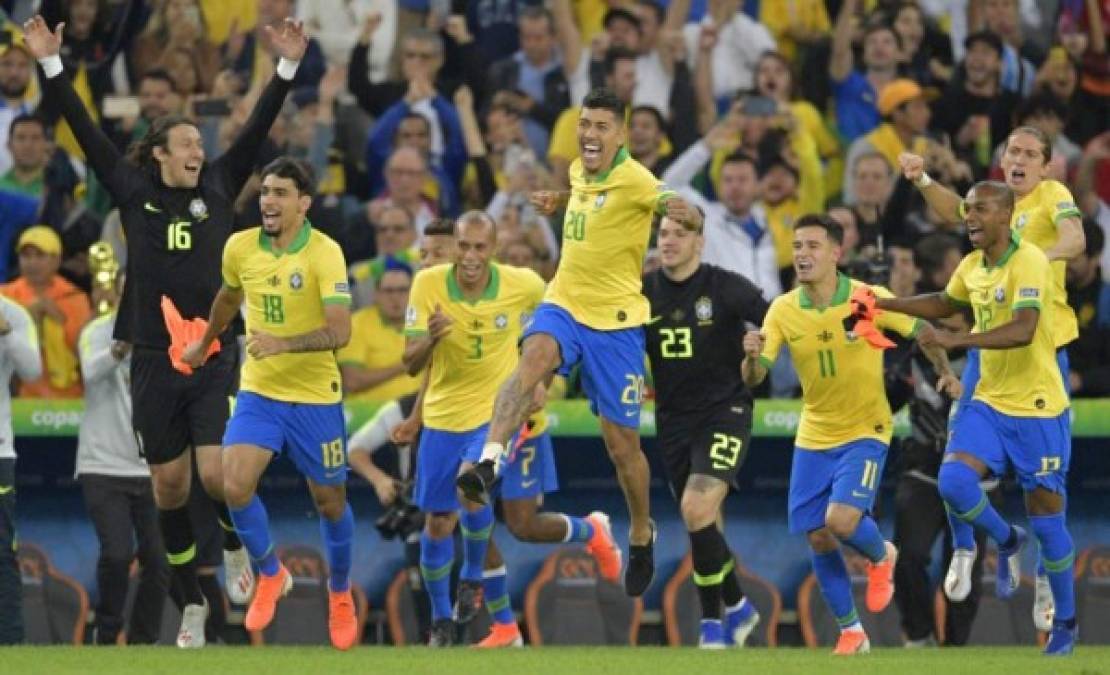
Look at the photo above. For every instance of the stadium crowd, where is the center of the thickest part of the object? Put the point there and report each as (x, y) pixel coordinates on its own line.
(414, 111)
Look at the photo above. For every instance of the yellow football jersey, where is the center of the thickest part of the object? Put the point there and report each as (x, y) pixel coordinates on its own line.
(843, 394)
(285, 295)
(605, 237)
(1024, 381)
(471, 362)
(1035, 218)
(375, 344)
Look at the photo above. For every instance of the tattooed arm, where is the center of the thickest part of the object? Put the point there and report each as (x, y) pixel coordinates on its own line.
(334, 335)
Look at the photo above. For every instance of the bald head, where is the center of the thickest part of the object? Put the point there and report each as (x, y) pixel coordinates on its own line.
(476, 224)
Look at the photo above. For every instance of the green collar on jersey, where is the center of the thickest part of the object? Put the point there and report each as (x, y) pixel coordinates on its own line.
(1015, 239)
(843, 290)
(622, 154)
(455, 294)
(266, 242)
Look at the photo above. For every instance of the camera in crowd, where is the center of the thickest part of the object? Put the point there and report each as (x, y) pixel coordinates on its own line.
(402, 518)
(873, 269)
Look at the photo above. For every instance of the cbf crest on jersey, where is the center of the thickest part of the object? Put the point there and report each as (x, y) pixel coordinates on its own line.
(703, 308)
(1022, 219)
(410, 316)
(599, 200)
(198, 209)
(296, 280)
(501, 321)
(1000, 295)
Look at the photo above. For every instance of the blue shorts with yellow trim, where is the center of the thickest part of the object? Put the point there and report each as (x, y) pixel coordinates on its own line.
(530, 470)
(312, 435)
(1039, 448)
(847, 474)
(612, 361)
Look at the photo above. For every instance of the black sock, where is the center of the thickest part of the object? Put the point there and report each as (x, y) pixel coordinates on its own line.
(181, 550)
(712, 562)
(217, 618)
(731, 592)
(231, 537)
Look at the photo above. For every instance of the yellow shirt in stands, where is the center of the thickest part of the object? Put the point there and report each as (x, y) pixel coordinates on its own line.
(375, 345)
(471, 362)
(285, 295)
(1024, 381)
(1035, 218)
(220, 14)
(843, 394)
(605, 237)
(779, 17)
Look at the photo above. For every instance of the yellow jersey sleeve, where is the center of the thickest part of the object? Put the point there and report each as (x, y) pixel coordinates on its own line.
(772, 333)
(957, 285)
(1031, 286)
(421, 303)
(1059, 202)
(903, 324)
(331, 272)
(649, 193)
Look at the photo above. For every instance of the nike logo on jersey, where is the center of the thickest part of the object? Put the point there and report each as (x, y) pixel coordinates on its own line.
(738, 411)
(632, 413)
(151, 207)
(859, 495)
(653, 320)
(527, 483)
(795, 338)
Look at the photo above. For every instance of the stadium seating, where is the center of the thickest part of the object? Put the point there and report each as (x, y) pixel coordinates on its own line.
(818, 625)
(1092, 591)
(682, 609)
(568, 603)
(302, 616)
(55, 606)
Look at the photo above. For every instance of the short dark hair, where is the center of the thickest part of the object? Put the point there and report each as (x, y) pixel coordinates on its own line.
(1039, 104)
(604, 98)
(159, 74)
(296, 170)
(621, 14)
(654, 112)
(931, 249)
(741, 157)
(986, 37)
(614, 54)
(1046, 145)
(440, 227)
(27, 118)
(876, 26)
(823, 221)
(534, 12)
(413, 116)
(997, 191)
(1096, 238)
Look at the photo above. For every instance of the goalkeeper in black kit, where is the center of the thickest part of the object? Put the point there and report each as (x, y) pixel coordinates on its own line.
(177, 211)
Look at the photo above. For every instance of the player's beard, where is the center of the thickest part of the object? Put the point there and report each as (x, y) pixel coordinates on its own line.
(8, 91)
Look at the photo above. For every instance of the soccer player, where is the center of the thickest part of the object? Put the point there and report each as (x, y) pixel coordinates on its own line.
(593, 314)
(1046, 216)
(703, 411)
(465, 319)
(293, 280)
(846, 422)
(177, 212)
(1018, 415)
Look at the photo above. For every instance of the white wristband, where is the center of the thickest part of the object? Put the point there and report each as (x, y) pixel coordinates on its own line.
(286, 69)
(923, 182)
(51, 65)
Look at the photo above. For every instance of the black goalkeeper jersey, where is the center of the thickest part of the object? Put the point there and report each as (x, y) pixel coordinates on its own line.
(694, 339)
(175, 236)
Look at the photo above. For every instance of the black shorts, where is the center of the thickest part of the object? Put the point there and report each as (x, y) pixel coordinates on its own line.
(171, 411)
(712, 444)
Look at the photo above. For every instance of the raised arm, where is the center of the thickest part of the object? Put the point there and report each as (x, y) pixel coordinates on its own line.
(945, 202)
(841, 63)
(570, 39)
(102, 155)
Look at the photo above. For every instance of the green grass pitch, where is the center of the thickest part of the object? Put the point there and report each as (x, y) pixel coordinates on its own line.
(560, 660)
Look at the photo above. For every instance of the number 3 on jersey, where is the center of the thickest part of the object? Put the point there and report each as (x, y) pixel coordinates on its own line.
(178, 236)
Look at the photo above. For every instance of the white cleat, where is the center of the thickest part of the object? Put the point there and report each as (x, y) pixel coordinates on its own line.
(957, 583)
(191, 633)
(1044, 607)
(239, 577)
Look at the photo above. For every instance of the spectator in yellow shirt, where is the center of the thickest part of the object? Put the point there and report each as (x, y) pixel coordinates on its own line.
(371, 362)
